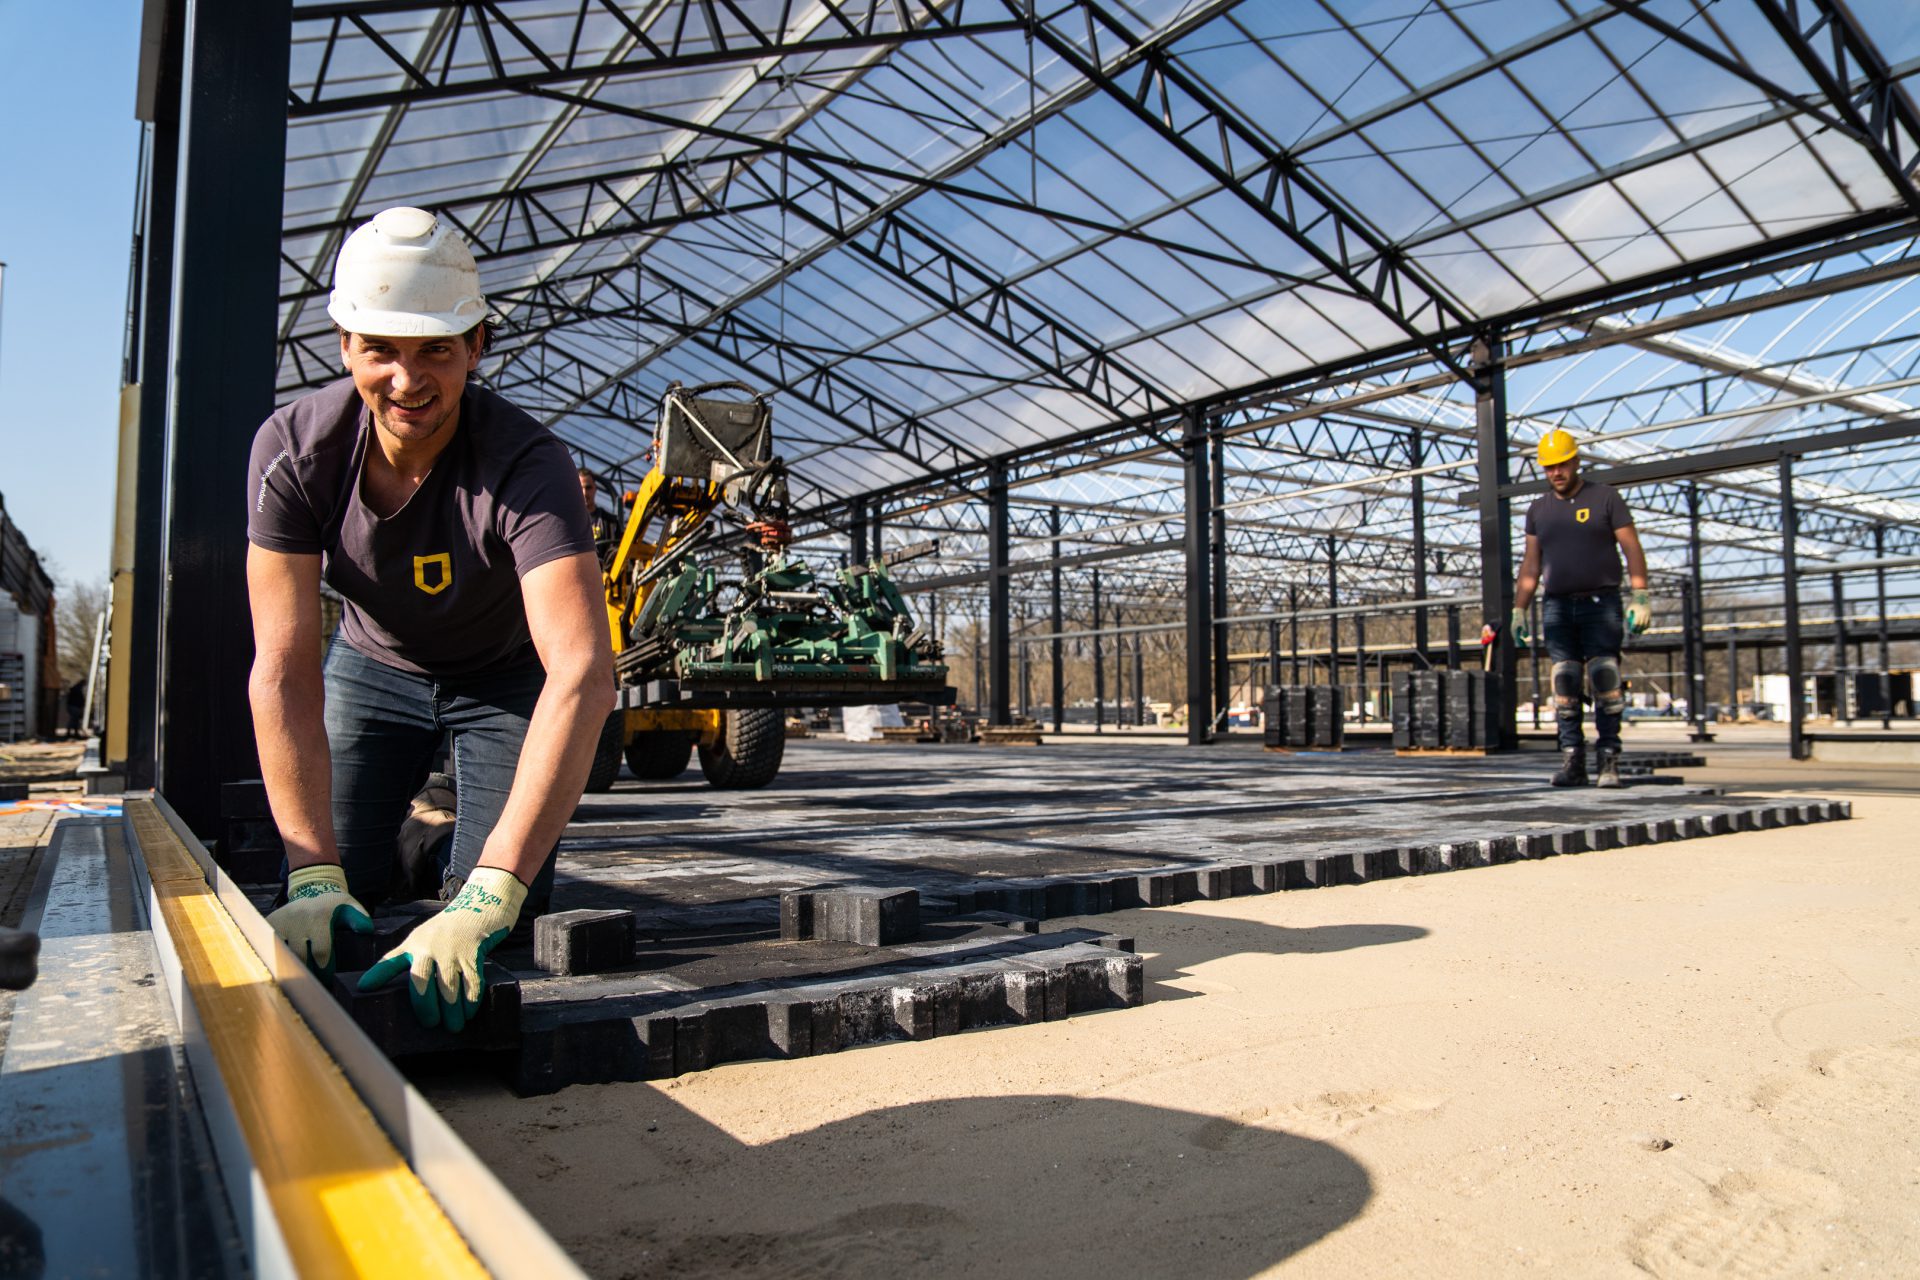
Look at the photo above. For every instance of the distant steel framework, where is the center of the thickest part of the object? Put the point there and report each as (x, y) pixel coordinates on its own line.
(1210, 322)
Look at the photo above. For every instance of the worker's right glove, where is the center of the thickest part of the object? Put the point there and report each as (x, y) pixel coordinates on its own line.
(317, 900)
(444, 958)
(1639, 613)
(1517, 628)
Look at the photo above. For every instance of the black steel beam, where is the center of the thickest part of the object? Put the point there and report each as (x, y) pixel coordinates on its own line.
(1217, 541)
(226, 269)
(486, 46)
(1358, 259)
(1736, 458)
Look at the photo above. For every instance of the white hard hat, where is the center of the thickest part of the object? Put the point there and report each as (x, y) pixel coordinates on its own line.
(406, 274)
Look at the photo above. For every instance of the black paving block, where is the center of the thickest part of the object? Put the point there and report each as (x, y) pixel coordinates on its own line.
(1267, 877)
(1631, 834)
(1178, 886)
(1689, 827)
(866, 917)
(1375, 864)
(1115, 942)
(790, 1028)
(1839, 810)
(983, 1000)
(569, 942)
(386, 1015)
(555, 1053)
(1015, 897)
(1328, 870)
(1534, 844)
(1718, 824)
(1079, 898)
(1602, 838)
(10, 791)
(1503, 849)
(1575, 841)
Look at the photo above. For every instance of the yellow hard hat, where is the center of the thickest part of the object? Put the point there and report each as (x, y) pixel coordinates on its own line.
(1557, 446)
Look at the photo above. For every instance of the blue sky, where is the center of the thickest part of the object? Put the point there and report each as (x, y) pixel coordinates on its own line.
(69, 147)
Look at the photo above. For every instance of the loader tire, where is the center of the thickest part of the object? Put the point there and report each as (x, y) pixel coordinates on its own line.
(752, 742)
(655, 755)
(606, 756)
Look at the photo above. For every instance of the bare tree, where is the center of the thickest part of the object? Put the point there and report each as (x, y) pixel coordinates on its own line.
(76, 612)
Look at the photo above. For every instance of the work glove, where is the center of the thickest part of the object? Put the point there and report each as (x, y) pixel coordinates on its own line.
(1639, 613)
(445, 957)
(1517, 628)
(317, 901)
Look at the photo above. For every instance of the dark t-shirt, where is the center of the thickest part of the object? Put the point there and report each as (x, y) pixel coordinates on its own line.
(435, 587)
(1578, 551)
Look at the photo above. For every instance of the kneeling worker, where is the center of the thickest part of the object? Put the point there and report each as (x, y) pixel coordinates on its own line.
(1575, 533)
(450, 523)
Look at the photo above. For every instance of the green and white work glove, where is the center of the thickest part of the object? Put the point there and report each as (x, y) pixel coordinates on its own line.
(1517, 628)
(317, 901)
(1639, 613)
(445, 957)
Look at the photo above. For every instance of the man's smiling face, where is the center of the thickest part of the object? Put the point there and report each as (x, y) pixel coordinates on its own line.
(412, 386)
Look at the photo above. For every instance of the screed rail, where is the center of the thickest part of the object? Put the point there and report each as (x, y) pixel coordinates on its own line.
(346, 1171)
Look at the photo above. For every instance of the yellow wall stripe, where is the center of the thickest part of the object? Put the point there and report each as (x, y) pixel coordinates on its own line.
(346, 1202)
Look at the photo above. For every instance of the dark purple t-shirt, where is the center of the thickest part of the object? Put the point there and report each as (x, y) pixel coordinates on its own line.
(1579, 549)
(435, 587)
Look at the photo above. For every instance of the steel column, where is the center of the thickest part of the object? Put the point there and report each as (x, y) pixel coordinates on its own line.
(1199, 589)
(999, 603)
(857, 533)
(1533, 657)
(1293, 629)
(144, 647)
(1054, 653)
(1333, 602)
(1886, 661)
(1496, 536)
(1139, 680)
(1415, 451)
(1840, 699)
(1733, 666)
(1217, 535)
(1695, 636)
(1360, 661)
(1789, 557)
(1099, 664)
(226, 272)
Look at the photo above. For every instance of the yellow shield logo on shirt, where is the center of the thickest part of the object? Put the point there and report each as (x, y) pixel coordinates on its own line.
(1580, 516)
(442, 579)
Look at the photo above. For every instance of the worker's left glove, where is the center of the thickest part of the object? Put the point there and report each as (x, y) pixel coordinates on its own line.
(1517, 628)
(1639, 613)
(445, 957)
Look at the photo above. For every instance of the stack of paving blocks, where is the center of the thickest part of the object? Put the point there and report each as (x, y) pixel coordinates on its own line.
(1441, 710)
(1305, 717)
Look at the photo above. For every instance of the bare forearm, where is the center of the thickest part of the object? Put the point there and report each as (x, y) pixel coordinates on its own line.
(552, 772)
(295, 764)
(1637, 568)
(1523, 588)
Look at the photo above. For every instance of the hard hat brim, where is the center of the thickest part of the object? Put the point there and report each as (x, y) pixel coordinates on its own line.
(401, 324)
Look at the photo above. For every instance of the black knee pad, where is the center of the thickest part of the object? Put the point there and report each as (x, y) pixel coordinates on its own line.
(1603, 677)
(1566, 685)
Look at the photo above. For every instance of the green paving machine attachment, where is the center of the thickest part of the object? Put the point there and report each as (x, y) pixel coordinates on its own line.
(715, 637)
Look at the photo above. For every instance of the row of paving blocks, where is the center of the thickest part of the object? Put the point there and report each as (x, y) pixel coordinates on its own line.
(597, 1021)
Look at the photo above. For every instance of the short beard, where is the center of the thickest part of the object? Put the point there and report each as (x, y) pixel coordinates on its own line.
(416, 434)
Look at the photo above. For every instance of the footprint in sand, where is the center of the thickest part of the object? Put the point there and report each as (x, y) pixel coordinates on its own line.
(1746, 1225)
(1864, 1090)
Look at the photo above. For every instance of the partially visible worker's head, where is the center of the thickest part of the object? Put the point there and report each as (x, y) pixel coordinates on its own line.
(1559, 458)
(412, 320)
(589, 489)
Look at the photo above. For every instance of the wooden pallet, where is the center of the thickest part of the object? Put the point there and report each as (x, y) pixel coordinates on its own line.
(1009, 736)
(1440, 751)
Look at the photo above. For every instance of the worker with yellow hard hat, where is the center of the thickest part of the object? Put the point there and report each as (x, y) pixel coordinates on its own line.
(1575, 534)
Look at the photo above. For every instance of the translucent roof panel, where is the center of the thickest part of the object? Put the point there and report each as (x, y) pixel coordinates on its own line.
(946, 233)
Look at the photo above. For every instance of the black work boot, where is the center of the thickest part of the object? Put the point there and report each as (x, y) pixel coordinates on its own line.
(1609, 769)
(1573, 770)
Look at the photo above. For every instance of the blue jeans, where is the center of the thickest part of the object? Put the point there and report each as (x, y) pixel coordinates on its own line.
(384, 727)
(1583, 635)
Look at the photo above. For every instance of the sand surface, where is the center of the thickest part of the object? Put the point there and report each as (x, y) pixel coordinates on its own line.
(1471, 1074)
